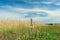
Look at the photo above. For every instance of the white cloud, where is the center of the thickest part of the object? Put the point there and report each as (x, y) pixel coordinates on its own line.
(8, 15)
(32, 2)
(21, 12)
(50, 12)
(47, 2)
(58, 3)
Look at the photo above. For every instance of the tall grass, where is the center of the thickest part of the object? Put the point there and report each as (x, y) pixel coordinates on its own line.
(15, 30)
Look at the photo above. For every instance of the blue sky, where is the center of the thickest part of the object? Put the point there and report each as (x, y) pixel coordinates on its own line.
(43, 11)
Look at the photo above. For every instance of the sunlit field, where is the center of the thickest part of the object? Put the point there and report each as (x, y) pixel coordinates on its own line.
(20, 30)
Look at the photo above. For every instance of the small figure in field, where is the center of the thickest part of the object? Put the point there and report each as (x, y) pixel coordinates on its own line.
(31, 24)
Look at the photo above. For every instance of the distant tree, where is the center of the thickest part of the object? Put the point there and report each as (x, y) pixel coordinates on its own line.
(50, 24)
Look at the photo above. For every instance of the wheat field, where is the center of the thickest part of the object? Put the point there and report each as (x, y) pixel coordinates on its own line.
(20, 30)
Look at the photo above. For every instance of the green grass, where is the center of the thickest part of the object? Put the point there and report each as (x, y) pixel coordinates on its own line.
(24, 33)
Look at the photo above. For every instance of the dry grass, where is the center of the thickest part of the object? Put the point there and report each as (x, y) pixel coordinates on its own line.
(19, 30)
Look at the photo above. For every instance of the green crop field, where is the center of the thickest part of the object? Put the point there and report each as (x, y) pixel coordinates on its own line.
(12, 31)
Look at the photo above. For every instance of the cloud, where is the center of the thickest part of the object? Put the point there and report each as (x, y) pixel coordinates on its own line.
(21, 9)
(58, 3)
(53, 20)
(4, 14)
(46, 2)
(32, 1)
(19, 13)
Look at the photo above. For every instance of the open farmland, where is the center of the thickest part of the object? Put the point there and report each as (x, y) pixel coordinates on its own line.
(20, 30)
